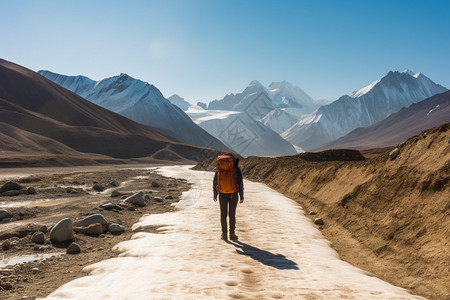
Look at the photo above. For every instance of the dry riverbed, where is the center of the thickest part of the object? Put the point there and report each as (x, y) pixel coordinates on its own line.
(29, 270)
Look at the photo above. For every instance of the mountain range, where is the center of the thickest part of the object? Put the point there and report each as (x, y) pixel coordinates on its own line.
(242, 133)
(398, 127)
(140, 102)
(41, 120)
(364, 107)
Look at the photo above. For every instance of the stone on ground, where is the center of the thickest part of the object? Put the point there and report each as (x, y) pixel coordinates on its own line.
(62, 231)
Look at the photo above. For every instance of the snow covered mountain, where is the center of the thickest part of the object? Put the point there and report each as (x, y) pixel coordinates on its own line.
(180, 102)
(139, 101)
(278, 95)
(284, 95)
(364, 107)
(279, 120)
(240, 132)
(398, 127)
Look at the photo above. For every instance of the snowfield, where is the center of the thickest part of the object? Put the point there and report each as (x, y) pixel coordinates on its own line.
(280, 254)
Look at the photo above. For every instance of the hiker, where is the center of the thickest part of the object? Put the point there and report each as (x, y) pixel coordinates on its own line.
(227, 184)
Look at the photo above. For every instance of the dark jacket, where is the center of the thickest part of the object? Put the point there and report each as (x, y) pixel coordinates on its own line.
(239, 180)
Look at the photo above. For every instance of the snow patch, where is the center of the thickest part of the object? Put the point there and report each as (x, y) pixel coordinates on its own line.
(279, 253)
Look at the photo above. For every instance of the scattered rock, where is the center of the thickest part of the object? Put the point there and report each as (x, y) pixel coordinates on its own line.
(74, 248)
(114, 184)
(98, 187)
(31, 190)
(23, 191)
(394, 153)
(168, 197)
(116, 228)
(6, 245)
(38, 237)
(131, 208)
(319, 221)
(35, 270)
(11, 193)
(8, 286)
(91, 229)
(158, 199)
(107, 206)
(137, 199)
(92, 219)
(43, 229)
(155, 184)
(62, 231)
(312, 213)
(147, 197)
(70, 190)
(10, 186)
(4, 214)
(115, 193)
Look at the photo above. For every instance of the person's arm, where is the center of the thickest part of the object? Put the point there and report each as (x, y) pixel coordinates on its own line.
(215, 186)
(240, 183)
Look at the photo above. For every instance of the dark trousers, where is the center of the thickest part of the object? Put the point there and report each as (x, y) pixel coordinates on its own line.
(228, 202)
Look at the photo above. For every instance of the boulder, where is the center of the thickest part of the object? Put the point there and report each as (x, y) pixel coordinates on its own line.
(6, 245)
(155, 184)
(394, 153)
(158, 199)
(319, 221)
(74, 248)
(11, 193)
(312, 213)
(109, 206)
(136, 199)
(62, 231)
(10, 186)
(92, 219)
(23, 191)
(38, 237)
(43, 229)
(4, 214)
(92, 229)
(169, 197)
(115, 193)
(98, 187)
(114, 184)
(31, 190)
(116, 228)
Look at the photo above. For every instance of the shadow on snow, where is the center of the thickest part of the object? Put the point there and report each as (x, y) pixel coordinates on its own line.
(278, 261)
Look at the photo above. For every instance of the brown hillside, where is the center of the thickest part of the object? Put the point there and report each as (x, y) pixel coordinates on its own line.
(389, 217)
(39, 117)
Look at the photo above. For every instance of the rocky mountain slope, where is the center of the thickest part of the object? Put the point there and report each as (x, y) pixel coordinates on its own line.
(240, 132)
(385, 214)
(397, 127)
(363, 108)
(140, 102)
(45, 123)
(278, 95)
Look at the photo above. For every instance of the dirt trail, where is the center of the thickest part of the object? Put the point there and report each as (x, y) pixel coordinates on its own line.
(280, 255)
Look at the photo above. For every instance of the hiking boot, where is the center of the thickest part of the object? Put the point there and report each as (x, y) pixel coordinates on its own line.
(224, 237)
(233, 236)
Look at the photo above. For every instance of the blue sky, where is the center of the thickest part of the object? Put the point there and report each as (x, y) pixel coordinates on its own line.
(203, 50)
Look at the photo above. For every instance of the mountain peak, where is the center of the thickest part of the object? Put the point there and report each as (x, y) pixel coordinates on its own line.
(256, 83)
(408, 71)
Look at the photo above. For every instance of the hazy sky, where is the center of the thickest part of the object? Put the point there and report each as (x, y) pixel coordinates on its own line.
(203, 50)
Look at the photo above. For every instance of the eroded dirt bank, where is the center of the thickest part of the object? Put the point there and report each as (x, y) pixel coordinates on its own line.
(389, 217)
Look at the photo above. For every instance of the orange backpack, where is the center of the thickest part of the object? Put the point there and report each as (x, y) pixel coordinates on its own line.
(226, 174)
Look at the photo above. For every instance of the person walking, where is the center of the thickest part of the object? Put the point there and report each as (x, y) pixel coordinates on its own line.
(227, 184)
